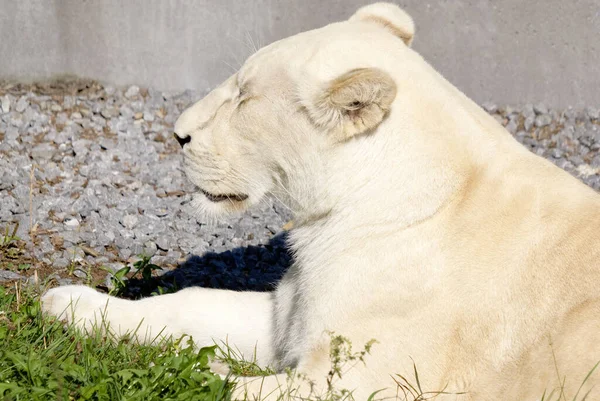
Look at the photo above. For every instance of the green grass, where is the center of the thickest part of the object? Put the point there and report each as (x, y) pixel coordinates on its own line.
(40, 360)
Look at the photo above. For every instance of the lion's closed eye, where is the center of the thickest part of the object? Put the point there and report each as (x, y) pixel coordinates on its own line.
(243, 97)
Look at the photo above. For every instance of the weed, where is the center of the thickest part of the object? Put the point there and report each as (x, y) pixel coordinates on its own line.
(412, 390)
(558, 394)
(342, 359)
(9, 237)
(340, 354)
(238, 365)
(142, 267)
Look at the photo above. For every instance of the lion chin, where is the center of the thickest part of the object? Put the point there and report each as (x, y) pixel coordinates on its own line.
(419, 222)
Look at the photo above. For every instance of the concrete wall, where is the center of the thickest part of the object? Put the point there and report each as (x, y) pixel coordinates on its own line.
(506, 51)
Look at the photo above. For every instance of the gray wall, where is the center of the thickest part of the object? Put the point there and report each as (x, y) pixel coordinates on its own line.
(506, 51)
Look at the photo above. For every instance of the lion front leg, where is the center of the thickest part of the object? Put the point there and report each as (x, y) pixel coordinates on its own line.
(241, 320)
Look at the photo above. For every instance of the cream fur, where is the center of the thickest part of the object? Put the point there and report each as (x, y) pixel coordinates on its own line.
(420, 222)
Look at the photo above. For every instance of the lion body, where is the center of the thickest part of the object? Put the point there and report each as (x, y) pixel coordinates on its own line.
(420, 223)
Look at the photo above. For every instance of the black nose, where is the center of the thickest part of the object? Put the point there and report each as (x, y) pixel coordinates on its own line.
(184, 140)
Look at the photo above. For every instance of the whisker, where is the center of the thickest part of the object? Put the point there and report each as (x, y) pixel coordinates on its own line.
(233, 69)
(253, 47)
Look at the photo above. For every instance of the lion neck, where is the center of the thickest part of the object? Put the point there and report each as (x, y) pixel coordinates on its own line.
(377, 179)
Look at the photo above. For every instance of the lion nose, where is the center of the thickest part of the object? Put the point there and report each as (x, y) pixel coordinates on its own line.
(184, 140)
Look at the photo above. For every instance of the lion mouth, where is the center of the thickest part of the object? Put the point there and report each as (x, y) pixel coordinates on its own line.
(223, 197)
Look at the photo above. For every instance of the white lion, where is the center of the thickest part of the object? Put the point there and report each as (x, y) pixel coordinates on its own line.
(419, 222)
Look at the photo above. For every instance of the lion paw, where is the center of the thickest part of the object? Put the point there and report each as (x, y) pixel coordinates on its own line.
(75, 304)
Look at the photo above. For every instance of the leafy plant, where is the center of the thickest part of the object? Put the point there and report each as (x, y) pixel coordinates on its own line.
(142, 267)
(118, 279)
(24, 266)
(160, 290)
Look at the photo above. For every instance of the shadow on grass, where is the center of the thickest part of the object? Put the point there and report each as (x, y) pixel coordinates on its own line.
(252, 268)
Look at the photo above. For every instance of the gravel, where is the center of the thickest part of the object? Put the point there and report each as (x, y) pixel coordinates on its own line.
(93, 178)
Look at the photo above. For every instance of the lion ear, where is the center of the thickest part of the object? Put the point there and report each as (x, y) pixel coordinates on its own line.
(391, 17)
(354, 103)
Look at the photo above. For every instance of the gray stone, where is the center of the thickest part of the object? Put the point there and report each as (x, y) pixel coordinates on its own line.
(273, 228)
(528, 111)
(137, 249)
(22, 104)
(129, 221)
(490, 107)
(540, 108)
(576, 160)
(80, 273)
(61, 263)
(512, 126)
(74, 254)
(148, 116)
(160, 212)
(7, 275)
(124, 253)
(122, 242)
(45, 246)
(126, 111)
(528, 124)
(150, 248)
(70, 236)
(174, 256)
(43, 151)
(109, 112)
(5, 104)
(71, 222)
(163, 242)
(509, 111)
(593, 113)
(200, 248)
(543, 120)
(132, 91)
(65, 281)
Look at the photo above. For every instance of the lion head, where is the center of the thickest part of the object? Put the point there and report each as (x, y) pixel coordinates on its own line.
(278, 124)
